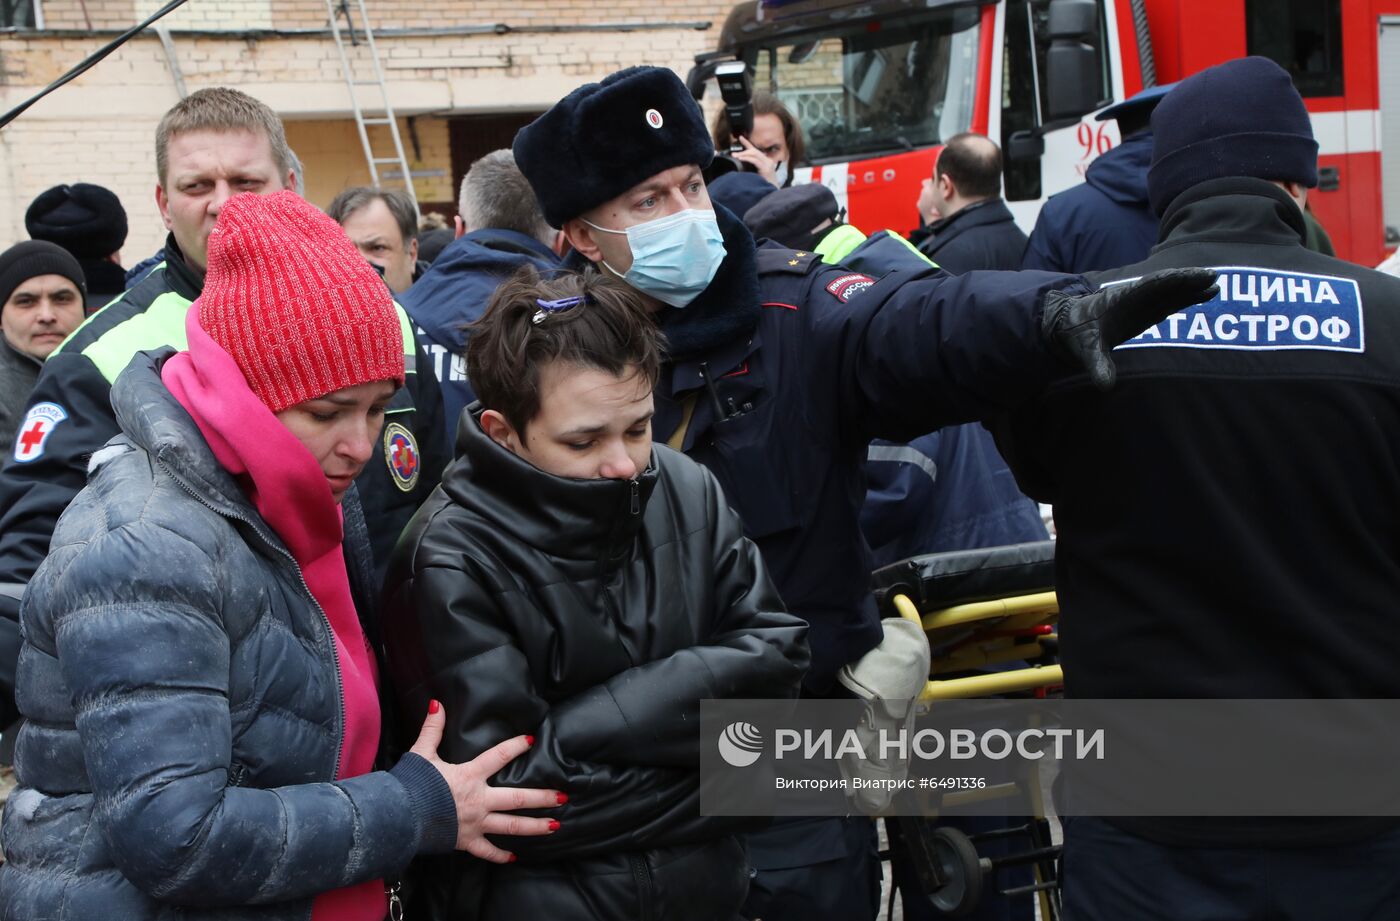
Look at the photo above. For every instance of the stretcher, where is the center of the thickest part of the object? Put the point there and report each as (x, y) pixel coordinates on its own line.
(990, 617)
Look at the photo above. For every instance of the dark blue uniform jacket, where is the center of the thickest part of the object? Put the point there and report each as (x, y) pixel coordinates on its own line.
(949, 490)
(454, 292)
(806, 363)
(1102, 224)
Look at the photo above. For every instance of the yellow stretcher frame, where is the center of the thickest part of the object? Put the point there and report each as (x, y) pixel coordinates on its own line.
(1020, 613)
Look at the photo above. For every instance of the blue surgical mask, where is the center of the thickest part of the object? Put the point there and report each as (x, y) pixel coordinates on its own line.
(674, 258)
(780, 174)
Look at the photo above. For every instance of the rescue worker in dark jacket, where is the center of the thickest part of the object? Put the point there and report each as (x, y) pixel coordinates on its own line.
(574, 581)
(499, 230)
(1106, 221)
(198, 673)
(1226, 515)
(975, 229)
(201, 162)
(781, 369)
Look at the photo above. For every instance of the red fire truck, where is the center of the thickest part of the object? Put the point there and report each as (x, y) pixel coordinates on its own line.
(877, 84)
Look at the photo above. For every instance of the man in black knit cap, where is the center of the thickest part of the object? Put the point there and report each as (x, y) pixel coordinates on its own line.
(1226, 514)
(41, 290)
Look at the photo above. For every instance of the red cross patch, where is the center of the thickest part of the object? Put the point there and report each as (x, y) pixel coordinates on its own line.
(401, 456)
(38, 425)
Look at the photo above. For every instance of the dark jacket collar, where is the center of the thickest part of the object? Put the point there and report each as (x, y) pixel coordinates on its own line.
(1233, 210)
(184, 279)
(458, 286)
(725, 311)
(568, 519)
(978, 214)
(503, 241)
(105, 280)
(14, 356)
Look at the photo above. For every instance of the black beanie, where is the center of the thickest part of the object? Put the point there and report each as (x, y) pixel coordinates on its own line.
(33, 258)
(604, 138)
(87, 220)
(1240, 118)
(790, 217)
(740, 191)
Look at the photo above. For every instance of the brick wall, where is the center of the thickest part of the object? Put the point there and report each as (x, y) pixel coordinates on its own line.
(100, 128)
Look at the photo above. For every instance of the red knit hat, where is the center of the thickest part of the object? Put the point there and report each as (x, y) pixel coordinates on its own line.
(296, 305)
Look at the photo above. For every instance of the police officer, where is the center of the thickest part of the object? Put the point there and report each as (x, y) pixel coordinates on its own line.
(1226, 515)
(781, 369)
(211, 145)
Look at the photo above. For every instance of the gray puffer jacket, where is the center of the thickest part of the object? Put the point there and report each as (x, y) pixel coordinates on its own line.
(184, 707)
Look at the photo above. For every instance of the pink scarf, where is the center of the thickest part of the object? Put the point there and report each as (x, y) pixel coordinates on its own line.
(286, 485)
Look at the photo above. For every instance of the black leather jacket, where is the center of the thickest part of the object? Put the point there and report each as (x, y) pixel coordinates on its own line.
(594, 614)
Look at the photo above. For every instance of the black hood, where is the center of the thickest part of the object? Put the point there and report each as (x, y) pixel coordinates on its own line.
(569, 519)
(726, 310)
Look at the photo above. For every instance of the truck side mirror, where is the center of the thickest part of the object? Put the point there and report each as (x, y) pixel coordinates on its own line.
(703, 70)
(1025, 146)
(1072, 71)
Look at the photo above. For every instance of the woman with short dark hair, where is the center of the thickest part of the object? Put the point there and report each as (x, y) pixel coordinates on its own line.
(572, 580)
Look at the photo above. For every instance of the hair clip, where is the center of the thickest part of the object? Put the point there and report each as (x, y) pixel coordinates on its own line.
(548, 307)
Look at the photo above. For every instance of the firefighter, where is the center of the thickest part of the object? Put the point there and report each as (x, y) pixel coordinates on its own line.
(780, 371)
(1226, 523)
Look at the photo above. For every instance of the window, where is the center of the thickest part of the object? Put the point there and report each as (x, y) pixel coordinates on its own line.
(20, 14)
(1025, 99)
(878, 87)
(1303, 36)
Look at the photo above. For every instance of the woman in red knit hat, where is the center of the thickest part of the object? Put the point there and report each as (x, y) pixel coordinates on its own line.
(199, 671)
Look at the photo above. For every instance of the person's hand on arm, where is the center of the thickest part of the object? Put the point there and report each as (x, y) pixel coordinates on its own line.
(481, 809)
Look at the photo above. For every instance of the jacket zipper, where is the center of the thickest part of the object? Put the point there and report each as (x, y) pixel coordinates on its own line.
(325, 620)
(636, 496)
(641, 874)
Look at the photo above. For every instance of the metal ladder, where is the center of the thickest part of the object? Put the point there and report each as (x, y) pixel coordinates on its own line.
(335, 9)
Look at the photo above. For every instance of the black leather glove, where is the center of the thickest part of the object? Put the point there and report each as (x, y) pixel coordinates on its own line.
(1085, 328)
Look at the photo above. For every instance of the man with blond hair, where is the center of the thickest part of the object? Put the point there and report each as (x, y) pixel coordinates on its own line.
(216, 143)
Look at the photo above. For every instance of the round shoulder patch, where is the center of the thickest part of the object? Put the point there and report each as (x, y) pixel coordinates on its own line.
(401, 456)
(35, 430)
(654, 118)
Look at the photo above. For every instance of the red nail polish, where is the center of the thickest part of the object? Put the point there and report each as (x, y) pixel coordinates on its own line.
(553, 824)
(510, 859)
(529, 740)
(434, 706)
(562, 798)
